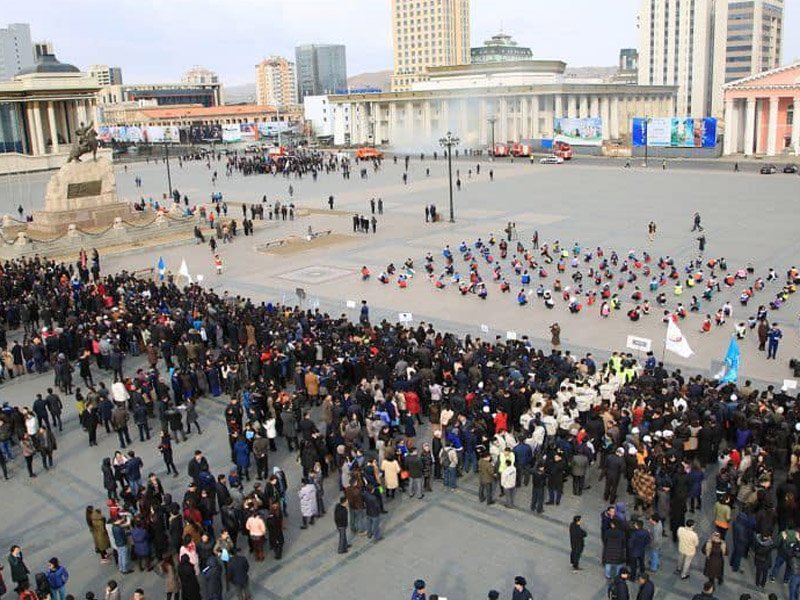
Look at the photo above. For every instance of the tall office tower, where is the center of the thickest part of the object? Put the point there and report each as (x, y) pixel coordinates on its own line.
(428, 33)
(676, 41)
(16, 50)
(748, 39)
(321, 69)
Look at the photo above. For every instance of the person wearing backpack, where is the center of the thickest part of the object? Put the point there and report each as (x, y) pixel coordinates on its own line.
(57, 577)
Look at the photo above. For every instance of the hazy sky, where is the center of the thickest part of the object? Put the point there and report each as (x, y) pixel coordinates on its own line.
(157, 40)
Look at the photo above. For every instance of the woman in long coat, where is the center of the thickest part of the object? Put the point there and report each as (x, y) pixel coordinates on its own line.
(391, 473)
(308, 502)
(715, 551)
(100, 534)
(190, 586)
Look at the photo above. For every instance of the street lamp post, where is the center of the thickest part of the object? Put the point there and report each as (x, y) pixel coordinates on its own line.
(167, 138)
(646, 133)
(448, 142)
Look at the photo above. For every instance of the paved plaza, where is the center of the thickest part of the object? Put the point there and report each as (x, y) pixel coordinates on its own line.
(748, 219)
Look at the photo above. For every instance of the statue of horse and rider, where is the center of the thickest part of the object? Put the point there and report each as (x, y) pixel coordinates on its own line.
(86, 141)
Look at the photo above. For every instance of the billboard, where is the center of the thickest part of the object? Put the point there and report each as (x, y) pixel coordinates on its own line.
(579, 132)
(272, 128)
(231, 133)
(121, 133)
(675, 132)
(249, 132)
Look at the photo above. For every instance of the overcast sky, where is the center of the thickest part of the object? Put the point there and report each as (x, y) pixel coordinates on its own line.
(157, 40)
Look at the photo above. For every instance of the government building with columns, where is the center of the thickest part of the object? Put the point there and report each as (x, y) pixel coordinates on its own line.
(41, 107)
(518, 100)
(761, 113)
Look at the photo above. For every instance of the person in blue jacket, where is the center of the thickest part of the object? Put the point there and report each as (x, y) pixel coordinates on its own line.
(57, 577)
(241, 452)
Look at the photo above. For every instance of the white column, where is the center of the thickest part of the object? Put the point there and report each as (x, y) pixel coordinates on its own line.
(594, 106)
(426, 119)
(393, 125)
(772, 127)
(483, 125)
(535, 117)
(730, 128)
(524, 129)
(410, 119)
(51, 119)
(584, 107)
(572, 106)
(614, 118)
(444, 117)
(502, 135)
(796, 126)
(605, 117)
(750, 127)
(463, 121)
(61, 115)
(558, 108)
(37, 128)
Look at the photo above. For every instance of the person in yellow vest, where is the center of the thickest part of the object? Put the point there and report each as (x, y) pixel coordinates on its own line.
(678, 289)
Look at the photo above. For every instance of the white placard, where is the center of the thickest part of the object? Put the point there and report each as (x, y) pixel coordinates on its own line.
(484, 328)
(405, 317)
(639, 343)
(789, 384)
(351, 304)
(511, 335)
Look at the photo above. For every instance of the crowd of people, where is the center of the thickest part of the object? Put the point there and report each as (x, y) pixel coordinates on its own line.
(395, 411)
(579, 277)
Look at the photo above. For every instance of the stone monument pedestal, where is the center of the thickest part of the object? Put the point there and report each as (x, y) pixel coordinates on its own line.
(80, 193)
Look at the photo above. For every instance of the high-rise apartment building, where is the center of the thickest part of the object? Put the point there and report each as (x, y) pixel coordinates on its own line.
(428, 33)
(748, 40)
(275, 82)
(321, 69)
(16, 50)
(699, 45)
(105, 75)
(676, 40)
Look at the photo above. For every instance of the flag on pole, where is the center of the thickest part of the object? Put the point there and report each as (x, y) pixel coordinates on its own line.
(162, 268)
(184, 271)
(675, 342)
(730, 368)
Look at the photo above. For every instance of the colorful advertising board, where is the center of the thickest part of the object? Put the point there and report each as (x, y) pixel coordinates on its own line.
(231, 133)
(249, 132)
(675, 132)
(579, 132)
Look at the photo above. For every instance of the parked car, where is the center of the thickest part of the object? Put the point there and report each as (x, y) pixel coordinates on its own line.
(790, 168)
(551, 159)
(768, 169)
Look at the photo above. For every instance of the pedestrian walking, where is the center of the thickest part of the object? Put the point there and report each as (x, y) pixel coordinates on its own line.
(577, 541)
(687, 548)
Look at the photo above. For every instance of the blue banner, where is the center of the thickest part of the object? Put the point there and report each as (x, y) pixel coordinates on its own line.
(731, 362)
(674, 132)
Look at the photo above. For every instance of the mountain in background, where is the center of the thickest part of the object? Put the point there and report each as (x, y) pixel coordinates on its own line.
(240, 94)
(377, 79)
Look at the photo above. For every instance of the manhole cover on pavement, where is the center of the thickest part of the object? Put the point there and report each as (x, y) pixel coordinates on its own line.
(315, 274)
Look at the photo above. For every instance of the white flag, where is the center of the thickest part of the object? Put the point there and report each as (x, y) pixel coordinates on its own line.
(184, 271)
(676, 342)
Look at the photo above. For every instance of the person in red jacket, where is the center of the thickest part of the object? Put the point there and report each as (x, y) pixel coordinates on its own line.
(500, 421)
(413, 405)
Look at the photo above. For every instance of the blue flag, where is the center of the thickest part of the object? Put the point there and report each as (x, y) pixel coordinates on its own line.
(731, 362)
(162, 268)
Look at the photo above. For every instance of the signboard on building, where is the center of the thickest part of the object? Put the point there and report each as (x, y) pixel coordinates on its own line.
(231, 133)
(249, 132)
(675, 132)
(579, 132)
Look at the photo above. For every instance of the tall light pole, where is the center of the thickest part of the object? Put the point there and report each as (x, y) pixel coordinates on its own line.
(646, 135)
(448, 142)
(492, 121)
(167, 139)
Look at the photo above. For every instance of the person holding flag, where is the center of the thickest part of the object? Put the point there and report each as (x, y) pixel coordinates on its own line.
(730, 367)
(162, 268)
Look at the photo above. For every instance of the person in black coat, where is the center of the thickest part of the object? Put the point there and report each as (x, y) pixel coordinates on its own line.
(190, 587)
(646, 588)
(620, 585)
(555, 480)
(340, 517)
(577, 540)
(238, 574)
(109, 482)
(613, 549)
(212, 579)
